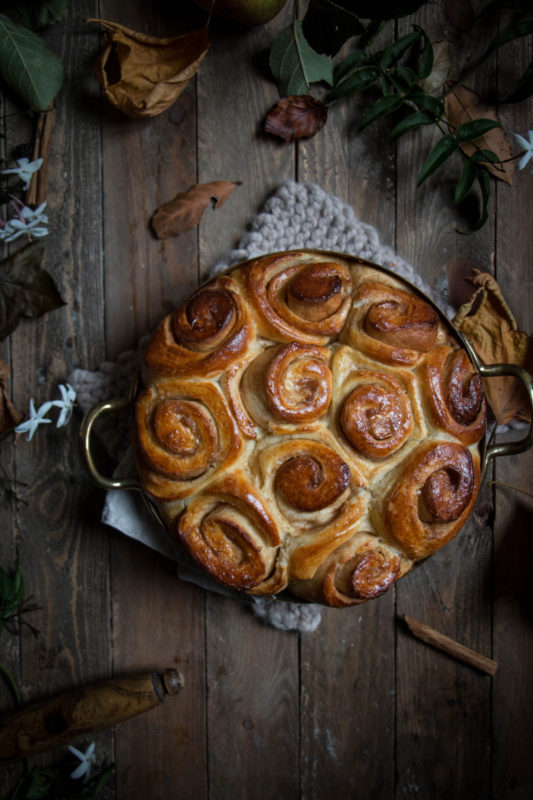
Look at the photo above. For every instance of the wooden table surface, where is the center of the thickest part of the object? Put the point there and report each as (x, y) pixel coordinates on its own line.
(358, 708)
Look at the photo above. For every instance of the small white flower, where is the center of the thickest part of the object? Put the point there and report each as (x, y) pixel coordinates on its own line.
(87, 759)
(36, 418)
(25, 170)
(28, 220)
(66, 404)
(527, 146)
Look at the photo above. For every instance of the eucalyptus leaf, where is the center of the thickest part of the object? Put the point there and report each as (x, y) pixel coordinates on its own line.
(356, 82)
(40, 13)
(372, 31)
(469, 131)
(524, 87)
(438, 155)
(466, 181)
(385, 105)
(327, 25)
(395, 51)
(408, 75)
(25, 288)
(485, 155)
(412, 121)
(29, 68)
(294, 63)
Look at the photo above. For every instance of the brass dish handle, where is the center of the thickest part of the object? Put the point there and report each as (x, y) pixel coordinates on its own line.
(85, 444)
(510, 448)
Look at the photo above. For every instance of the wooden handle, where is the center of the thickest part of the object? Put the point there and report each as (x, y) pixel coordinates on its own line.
(43, 725)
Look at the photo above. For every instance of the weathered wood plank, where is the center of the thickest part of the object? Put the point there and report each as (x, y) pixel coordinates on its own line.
(512, 770)
(146, 162)
(443, 709)
(252, 670)
(348, 663)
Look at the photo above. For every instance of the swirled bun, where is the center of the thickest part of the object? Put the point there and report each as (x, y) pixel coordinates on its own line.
(307, 422)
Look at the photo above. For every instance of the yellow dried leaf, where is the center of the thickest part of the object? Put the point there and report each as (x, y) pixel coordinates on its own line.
(464, 105)
(491, 327)
(143, 75)
(185, 210)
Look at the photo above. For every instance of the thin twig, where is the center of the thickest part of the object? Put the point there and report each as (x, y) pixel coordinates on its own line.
(36, 193)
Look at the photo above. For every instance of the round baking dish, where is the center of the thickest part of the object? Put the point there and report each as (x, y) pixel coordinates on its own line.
(342, 565)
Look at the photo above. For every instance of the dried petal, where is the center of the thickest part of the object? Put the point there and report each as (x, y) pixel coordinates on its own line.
(9, 415)
(143, 75)
(296, 117)
(493, 331)
(464, 105)
(186, 209)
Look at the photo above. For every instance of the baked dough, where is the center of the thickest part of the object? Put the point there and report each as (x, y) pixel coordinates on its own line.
(308, 422)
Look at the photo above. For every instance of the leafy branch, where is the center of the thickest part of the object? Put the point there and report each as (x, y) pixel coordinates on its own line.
(397, 74)
(13, 603)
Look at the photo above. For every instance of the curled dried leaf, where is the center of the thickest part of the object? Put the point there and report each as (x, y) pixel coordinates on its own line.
(463, 105)
(296, 117)
(491, 327)
(9, 415)
(143, 75)
(186, 209)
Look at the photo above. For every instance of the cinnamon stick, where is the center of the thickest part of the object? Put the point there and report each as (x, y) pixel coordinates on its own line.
(36, 193)
(450, 646)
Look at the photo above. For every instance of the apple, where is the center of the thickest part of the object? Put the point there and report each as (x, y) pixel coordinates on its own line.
(246, 12)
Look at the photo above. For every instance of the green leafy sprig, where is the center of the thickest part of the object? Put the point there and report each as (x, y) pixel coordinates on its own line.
(13, 603)
(54, 783)
(397, 74)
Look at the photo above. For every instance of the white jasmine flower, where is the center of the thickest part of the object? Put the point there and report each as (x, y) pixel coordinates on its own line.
(66, 404)
(25, 170)
(27, 220)
(87, 759)
(36, 418)
(527, 146)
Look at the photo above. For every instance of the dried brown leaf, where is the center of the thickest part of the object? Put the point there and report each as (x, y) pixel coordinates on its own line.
(143, 75)
(185, 210)
(460, 272)
(493, 331)
(9, 415)
(296, 117)
(464, 105)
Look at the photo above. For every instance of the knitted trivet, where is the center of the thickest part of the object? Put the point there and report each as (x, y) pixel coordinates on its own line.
(298, 215)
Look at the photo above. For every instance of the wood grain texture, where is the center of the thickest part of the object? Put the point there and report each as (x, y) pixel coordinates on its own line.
(338, 669)
(512, 769)
(450, 591)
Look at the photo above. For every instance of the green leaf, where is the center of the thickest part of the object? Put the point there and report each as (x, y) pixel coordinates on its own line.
(25, 288)
(372, 31)
(328, 24)
(524, 87)
(408, 75)
(426, 102)
(385, 105)
(412, 121)
(395, 51)
(484, 184)
(295, 64)
(425, 65)
(466, 181)
(357, 82)
(485, 155)
(40, 13)
(522, 27)
(469, 131)
(32, 71)
(350, 62)
(442, 150)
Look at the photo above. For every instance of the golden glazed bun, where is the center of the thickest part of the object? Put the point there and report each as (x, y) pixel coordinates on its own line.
(307, 422)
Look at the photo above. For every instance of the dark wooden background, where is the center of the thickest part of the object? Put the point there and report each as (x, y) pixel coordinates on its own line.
(357, 709)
